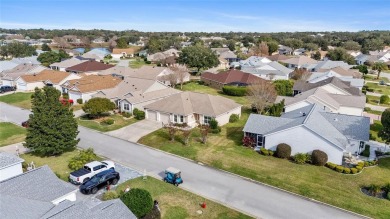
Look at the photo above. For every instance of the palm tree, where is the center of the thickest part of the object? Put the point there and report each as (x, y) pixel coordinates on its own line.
(379, 66)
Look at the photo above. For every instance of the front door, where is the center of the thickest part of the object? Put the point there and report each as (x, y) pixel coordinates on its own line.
(197, 117)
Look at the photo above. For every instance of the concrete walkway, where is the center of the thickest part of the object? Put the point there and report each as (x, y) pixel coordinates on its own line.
(14, 148)
(376, 107)
(137, 130)
(373, 94)
(78, 113)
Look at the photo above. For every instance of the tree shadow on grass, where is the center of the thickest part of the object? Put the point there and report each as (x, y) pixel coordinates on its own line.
(235, 134)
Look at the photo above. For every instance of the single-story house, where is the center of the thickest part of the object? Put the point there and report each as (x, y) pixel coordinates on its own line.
(159, 56)
(284, 50)
(7, 65)
(44, 78)
(230, 77)
(333, 84)
(83, 88)
(135, 92)
(326, 65)
(127, 52)
(97, 54)
(10, 165)
(299, 52)
(63, 65)
(298, 62)
(40, 194)
(192, 108)
(155, 73)
(310, 128)
(278, 57)
(269, 71)
(9, 77)
(90, 66)
(328, 96)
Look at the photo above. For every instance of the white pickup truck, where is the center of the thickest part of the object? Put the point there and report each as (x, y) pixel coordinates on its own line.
(89, 170)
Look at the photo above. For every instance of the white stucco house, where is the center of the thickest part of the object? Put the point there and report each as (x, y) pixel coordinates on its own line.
(310, 128)
(192, 108)
(63, 65)
(264, 68)
(298, 62)
(44, 78)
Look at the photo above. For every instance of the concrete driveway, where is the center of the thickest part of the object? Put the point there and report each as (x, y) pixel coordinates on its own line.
(137, 130)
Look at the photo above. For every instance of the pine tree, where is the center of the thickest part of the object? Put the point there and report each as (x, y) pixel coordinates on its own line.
(52, 129)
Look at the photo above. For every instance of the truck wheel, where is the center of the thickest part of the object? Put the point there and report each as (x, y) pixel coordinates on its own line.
(114, 181)
(85, 180)
(176, 184)
(94, 190)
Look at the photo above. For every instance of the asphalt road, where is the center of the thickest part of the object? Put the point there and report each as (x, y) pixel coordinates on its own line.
(247, 196)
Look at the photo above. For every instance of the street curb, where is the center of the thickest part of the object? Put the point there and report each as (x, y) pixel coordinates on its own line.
(242, 177)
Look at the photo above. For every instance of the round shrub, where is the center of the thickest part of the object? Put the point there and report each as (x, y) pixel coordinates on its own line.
(331, 165)
(271, 153)
(213, 124)
(126, 114)
(233, 118)
(347, 170)
(361, 164)
(354, 170)
(79, 101)
(339, 169)
(359, 168)
(107, 122)
(319, 158)
(139, 201)
(384, 99)
(283, 151)
(112, 194)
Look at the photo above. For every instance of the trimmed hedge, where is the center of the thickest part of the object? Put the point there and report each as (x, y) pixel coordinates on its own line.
(339, 169)
(347, 170)
(80, 101)
(234, 91)
(139, 201)
(283, 151)
(266, 152)
(384, 99)
(301, 158)
(331, 165)
(126, 114)
(354, 170)
(139, 114)
(319, 158)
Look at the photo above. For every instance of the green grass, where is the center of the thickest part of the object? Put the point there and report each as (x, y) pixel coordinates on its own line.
(381, 89)
(11, 133)
(196, 87)
(178, 203)
(22, 100)
(376, 112)
(374, 100)
(58, 164)
(77, 107)
(137, 63)
(225, 151)
(120, 122)
(373, 78)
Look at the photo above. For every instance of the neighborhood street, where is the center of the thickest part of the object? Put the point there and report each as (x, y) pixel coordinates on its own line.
(250, 197)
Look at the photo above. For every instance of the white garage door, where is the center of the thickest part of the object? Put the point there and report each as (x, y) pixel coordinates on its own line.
(22, 86)
(6, 82)
(74, 96)
(164, 118)
(152, 115)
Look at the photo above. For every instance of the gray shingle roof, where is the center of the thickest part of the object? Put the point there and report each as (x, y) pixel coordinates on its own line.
(22, 208)
(335, 128)
(39, 184)
(7, 159)
(107, 209)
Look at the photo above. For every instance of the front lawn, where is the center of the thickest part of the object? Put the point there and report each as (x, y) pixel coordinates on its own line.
(374, 100)
(225, 151)
(58, 164)
(178, 203)
(22, 100)
(77, 107)
(137, 63)
(196, 87)
(119, 122)
(11, 133)
(381, 89)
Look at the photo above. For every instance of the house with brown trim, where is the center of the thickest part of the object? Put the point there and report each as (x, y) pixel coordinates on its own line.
(90, 66)
(118, 53)
(192, 108)
(44, 78)
(83, 88)
(230, 77)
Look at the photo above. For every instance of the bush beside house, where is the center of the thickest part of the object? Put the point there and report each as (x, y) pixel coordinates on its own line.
(283, 151)
(139, 201)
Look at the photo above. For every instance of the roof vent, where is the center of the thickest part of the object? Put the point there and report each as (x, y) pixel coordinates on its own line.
(303, 114)
(336, 120)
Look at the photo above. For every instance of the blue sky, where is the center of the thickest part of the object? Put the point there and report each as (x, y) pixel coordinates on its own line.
(198, 15)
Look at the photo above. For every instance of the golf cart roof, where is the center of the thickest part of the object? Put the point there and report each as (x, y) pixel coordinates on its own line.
(172, 170)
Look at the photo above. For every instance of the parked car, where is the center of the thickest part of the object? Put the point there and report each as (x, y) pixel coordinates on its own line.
(173, 176)
(6, 88)
(25, 124)
(100, 180)
(89, 170)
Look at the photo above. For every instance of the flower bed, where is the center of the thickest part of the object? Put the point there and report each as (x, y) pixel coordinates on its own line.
(377, 191)
(353, 170)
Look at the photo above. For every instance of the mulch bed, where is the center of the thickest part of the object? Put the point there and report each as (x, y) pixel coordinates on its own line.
(381, 195)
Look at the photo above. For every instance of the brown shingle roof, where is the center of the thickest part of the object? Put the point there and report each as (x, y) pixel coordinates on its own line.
(277, 57)
(303, 86)
(344, 72)
(51, 75)
(231, 76)
(89, 66)
(93, 83)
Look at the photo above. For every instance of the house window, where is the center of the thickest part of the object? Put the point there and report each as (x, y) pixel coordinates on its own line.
(260, 140)
(126, 107)
(178, 118)
(206, 119)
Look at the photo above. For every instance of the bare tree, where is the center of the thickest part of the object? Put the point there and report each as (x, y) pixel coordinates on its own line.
(261, 49)
(261, 93)
(186, 134)
(171, 78)
(171, 131)
(181, 72)
(61, 42)
(204, 132)
(300, 74)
